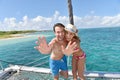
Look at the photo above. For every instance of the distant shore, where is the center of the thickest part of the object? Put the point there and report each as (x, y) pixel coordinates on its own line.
(17, 34)
(13, 34)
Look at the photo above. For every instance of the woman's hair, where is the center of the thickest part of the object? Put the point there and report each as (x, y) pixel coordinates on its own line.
(76, 38)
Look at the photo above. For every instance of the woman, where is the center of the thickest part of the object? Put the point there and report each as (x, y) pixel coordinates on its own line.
(78, 58)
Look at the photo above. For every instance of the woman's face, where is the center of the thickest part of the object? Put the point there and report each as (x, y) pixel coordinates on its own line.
(69, 35)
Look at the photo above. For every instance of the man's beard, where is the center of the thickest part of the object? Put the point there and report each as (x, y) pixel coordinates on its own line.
(60, 39)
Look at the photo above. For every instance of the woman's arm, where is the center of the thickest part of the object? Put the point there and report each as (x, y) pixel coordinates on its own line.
(70, 48)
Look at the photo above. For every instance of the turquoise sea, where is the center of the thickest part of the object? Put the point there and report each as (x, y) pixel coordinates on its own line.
(101, 45)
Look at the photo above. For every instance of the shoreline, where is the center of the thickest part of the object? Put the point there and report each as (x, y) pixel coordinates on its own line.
(15, 36)
(11, 34)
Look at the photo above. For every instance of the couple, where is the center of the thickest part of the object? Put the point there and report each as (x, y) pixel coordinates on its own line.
(66, 42)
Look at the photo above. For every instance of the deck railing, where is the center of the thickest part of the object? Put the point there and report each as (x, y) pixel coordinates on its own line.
(37, 68)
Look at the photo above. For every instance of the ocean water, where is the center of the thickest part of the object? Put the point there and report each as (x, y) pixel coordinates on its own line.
(101, 45)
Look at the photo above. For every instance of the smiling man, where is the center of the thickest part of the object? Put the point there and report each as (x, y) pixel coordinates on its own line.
(58, 59)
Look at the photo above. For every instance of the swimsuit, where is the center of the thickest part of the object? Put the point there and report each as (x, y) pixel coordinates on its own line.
(56, 65)
(79, 57)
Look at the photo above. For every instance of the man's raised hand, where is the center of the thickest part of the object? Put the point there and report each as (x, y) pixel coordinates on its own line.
(42, 45)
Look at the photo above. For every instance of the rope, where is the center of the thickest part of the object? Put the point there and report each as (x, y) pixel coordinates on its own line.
(23, 64)
(10, 62)
(37, 60)
(41, 63)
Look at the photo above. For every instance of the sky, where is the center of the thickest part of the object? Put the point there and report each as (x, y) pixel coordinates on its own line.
(43, 14)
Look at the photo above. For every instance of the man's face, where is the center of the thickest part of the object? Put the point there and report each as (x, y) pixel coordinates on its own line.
(60, 33)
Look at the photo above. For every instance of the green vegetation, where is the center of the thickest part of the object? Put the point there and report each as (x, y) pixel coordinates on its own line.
(8, 34)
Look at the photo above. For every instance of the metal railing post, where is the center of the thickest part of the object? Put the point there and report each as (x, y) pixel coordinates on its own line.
(1, 66)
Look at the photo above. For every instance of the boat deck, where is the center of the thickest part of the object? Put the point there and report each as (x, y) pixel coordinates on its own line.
(34, 73)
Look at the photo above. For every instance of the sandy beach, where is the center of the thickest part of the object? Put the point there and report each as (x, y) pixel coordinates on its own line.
(15, 36)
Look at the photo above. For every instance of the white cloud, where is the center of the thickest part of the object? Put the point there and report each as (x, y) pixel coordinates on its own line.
(97, 21)
(43, 23)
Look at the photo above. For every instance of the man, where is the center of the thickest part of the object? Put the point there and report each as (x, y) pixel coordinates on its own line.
(55, 47)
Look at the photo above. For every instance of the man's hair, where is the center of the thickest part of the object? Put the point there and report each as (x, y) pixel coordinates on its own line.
(58, 24)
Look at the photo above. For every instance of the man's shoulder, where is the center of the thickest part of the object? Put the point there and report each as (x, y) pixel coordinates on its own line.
(53, 41)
